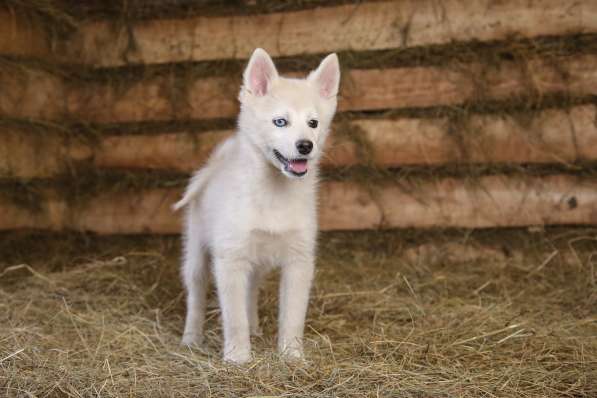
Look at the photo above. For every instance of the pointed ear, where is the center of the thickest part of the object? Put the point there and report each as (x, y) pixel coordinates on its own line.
(260, 73)
(327, 76)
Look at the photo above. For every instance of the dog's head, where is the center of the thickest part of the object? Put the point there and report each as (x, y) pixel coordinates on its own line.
(288, 119)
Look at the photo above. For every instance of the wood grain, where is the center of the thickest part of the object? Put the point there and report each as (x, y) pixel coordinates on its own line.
(364, 26)
(21, 36)
(486, 202)
(38, 95)
(553, 136)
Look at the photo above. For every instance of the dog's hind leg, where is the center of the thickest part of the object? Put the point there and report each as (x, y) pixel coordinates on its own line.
(195, 274)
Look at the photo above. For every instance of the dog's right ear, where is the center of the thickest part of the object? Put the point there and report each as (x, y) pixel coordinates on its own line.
(260, 73)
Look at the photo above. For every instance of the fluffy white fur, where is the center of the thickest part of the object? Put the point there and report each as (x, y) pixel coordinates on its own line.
(247, 212)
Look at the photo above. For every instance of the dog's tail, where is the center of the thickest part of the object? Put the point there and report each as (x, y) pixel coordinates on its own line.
(201, 177)
(194, 188)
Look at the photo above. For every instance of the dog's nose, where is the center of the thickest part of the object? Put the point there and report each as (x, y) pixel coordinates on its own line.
(304, 146)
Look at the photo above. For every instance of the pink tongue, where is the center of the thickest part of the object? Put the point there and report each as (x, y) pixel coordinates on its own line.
(298, 166)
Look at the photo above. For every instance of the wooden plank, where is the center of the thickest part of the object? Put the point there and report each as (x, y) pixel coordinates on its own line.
(20, 36)
(156, 99)
(370, 89)
(553, 136)
(41, 96)
(32, 94)
(494, 201)
(398, 24)
(549, 136)
(124, 213)
(51, 213)
(182, 152)
(25, 155)
(487, 202)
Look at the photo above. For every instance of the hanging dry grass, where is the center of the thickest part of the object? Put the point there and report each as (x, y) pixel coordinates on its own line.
(392, 314)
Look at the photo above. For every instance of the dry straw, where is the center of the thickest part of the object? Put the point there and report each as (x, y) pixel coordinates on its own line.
(392, 314)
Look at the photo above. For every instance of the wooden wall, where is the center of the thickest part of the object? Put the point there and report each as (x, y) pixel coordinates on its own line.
(452, 113)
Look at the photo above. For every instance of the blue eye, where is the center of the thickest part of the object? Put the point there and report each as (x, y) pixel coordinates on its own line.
(280, 122)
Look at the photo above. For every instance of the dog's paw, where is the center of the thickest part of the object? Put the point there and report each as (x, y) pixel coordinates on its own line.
(238, 356)
(293, 353)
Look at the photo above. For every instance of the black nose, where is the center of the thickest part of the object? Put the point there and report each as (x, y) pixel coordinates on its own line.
(304, 146)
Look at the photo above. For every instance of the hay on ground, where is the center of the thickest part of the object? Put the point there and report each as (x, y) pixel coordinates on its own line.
(392, 314)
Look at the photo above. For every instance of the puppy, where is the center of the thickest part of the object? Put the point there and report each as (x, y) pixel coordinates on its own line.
(252, 207)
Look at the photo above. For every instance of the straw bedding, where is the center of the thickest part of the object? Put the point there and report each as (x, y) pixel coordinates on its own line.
(392, 314)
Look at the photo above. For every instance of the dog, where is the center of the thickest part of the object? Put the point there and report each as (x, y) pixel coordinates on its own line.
(253, 207)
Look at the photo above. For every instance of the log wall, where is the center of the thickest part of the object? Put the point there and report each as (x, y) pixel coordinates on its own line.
(113, 97)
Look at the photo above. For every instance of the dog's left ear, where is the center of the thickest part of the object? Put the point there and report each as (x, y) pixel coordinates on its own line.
(327, 76)
(260, 73)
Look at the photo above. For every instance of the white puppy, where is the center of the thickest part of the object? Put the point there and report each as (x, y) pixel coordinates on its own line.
(253, 206)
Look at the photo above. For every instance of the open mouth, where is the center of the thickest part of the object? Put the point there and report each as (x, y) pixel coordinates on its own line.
(297, 167)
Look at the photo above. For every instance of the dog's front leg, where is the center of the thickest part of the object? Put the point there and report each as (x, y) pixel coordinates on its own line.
(255, 283)
(232, 279)
(297, 276)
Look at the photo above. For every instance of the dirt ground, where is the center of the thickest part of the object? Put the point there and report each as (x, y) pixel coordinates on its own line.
(393, 314)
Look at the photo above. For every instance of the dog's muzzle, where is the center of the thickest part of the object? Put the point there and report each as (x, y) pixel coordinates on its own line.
(297, 167)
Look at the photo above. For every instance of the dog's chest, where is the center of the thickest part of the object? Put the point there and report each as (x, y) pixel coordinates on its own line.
(268, 249)
(281, 212)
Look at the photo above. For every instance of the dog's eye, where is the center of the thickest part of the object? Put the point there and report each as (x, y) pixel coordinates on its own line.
(280, 122)
(313, 123)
